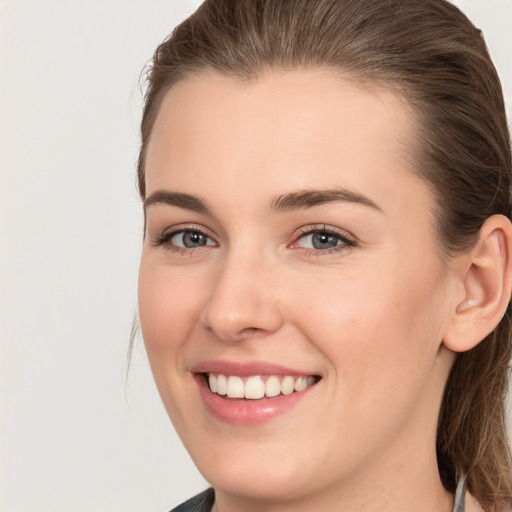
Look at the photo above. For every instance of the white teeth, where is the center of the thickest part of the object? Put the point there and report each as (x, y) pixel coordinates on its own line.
(222, 385)
(212, 380)
(272, 386)
(301, 384)
(254, 388)
(235, 387)
(287, 385)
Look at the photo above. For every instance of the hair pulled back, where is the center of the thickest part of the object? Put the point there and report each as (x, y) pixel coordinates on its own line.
(428, 52)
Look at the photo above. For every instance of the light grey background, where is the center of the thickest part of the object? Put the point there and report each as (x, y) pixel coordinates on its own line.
(71, 438)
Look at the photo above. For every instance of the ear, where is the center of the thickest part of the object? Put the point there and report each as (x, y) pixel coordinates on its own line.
(486, 283)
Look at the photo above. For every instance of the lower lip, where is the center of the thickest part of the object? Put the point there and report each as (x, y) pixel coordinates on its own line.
(245, 411)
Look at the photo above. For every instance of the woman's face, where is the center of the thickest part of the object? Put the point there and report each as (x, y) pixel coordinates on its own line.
(289, 243)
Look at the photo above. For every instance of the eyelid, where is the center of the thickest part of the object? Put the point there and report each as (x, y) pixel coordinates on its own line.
(348, 239)
(164, 238)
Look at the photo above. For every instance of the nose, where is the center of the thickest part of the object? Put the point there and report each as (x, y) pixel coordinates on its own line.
(243, 302)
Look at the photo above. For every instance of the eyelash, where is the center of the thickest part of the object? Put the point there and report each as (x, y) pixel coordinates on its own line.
(347, 240)
(165, 239)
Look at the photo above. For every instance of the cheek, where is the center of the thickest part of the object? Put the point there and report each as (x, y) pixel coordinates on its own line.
(381, 345)
(377, 329)
(168, 306)
(168, 312)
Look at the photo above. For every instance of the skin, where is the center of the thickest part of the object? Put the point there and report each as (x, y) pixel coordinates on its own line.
(369, 318)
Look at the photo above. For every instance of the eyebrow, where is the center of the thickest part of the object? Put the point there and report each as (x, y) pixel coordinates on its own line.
(304, 199)
(186, 201)
(298, 200)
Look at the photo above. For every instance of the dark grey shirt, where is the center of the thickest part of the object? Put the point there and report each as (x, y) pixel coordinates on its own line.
(201, 503)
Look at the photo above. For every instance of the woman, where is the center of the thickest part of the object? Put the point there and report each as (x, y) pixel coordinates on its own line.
(326, 269)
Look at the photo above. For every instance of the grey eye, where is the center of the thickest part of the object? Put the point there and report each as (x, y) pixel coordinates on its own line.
(320, 240)
(190, 239)
(324, 241)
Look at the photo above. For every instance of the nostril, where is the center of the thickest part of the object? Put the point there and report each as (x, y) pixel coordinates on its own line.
(251, 331)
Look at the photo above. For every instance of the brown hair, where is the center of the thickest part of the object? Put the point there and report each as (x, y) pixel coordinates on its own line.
(430, 53)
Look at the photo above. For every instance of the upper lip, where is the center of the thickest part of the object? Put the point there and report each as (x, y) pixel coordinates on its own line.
(245, 369)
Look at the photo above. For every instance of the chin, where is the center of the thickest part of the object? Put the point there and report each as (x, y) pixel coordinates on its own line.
(256, 483)
(257, 472)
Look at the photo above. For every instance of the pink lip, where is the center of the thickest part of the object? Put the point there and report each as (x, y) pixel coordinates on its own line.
(245, 411)
(244, 369)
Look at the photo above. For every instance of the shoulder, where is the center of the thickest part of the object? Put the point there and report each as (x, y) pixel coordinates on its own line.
(201, 503)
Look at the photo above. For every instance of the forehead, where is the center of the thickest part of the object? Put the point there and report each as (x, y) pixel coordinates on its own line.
(286, 130)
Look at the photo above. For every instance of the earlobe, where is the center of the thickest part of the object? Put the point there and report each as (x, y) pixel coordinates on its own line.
(487, 283)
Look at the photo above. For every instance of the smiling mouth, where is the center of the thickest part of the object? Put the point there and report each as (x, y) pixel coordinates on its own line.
(257, 387)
